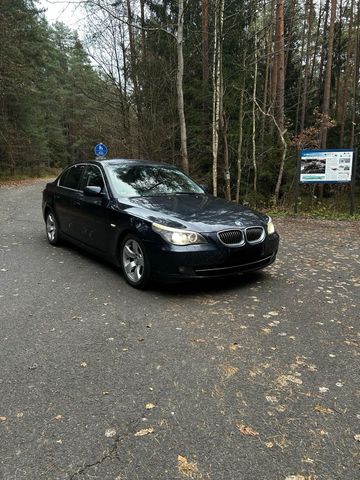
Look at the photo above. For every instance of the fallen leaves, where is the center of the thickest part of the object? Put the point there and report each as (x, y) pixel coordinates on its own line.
(189, 469)
(300, 477)
(284, 380)
(295, 477)
(259, 369)
(58, 417)
(357, 437)
(247, 430)
(229, 370)
(149, 406)
(110, 432)
(267, 331)
(271, 399)
(2, 419)
(324, 410)
(83, 364)
(144, 431)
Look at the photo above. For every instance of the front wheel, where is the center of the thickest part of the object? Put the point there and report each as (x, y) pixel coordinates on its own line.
(134, 262)
(52, 228)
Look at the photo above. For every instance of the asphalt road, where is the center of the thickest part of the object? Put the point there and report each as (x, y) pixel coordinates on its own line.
(251, 378)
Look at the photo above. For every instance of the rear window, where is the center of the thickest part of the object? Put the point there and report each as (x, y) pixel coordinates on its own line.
(71, 178)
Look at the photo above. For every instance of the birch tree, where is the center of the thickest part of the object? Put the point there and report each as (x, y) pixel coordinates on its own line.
(280, 88)
(217, 88)
(179, 86)
(327, 83)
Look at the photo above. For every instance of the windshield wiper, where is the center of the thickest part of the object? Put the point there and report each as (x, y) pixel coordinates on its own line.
(186, 193)
(154, 186)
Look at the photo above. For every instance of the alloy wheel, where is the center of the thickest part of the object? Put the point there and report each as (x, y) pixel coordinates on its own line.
(133, 261)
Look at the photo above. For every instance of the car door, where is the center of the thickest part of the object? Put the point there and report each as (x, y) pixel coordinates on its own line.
(96, 230)
(67, 200)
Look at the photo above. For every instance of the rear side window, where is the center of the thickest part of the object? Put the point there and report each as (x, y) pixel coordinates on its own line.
(71, 178)
(93, 177)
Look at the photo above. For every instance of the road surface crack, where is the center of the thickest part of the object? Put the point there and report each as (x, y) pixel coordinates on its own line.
(110, 453)
(87, 466)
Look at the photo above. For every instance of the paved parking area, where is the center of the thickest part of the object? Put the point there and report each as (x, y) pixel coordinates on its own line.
(250, 378)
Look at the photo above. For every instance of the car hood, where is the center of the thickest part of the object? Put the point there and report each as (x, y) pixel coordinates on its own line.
(202, 213)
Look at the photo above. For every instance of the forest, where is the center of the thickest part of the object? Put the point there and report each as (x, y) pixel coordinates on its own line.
(228, 90)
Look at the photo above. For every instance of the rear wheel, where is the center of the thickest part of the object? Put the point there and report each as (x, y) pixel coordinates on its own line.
(52, 228)
(134, 262)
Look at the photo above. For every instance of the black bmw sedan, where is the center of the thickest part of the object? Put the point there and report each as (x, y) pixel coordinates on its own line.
(154, 221)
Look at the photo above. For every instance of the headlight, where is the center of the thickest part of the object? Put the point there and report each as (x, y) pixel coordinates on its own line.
(270, 227)
(178, 237)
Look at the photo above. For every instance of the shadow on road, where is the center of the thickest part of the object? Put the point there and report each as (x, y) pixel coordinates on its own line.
(211, 286)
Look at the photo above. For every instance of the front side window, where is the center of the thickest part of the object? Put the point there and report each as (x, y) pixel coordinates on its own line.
(148, 181)
(71, 178)
(93, 177)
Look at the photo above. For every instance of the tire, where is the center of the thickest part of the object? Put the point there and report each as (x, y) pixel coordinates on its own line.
(135, 261)
(52, 227)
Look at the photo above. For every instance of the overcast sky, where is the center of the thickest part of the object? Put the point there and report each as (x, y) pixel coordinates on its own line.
(62, 11)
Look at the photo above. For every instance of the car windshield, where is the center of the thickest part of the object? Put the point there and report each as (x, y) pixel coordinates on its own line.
(149, 181)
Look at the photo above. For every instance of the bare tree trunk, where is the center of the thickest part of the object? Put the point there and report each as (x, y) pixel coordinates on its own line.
(280, 89)
(307, 62)
(324, 42)
(217, 87)
(179, 86)
(290, 28)
(254, 112)
(301, 80)
(143, 44)
(344, 100)
(268, 38)
(274, 76)
(205, 43)
(124, 106)
(134, 75)
(327, 85)
(129, 128)
(227, 177)
(338, 50)
(282, 139)
(355, 79)
(241, 120)
(313, 63)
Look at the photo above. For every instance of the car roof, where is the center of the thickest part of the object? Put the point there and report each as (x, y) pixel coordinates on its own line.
(133, 161)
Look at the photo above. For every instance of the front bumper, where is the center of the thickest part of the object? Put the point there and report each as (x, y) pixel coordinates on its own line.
(211, 259)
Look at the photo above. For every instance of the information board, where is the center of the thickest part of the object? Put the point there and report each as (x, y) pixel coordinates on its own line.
(326, 166)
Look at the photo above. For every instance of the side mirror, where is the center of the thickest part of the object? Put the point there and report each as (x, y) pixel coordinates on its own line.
(92, 191)
(205, 187)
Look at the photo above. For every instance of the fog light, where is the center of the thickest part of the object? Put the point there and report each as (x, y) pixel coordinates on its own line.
(186, 270)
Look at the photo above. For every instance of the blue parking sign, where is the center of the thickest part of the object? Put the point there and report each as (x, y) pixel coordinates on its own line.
(100, 150)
